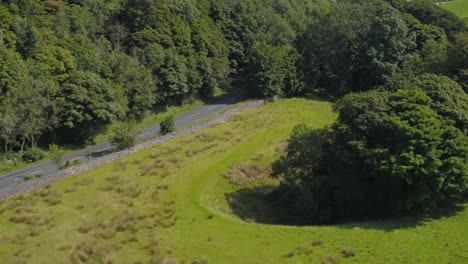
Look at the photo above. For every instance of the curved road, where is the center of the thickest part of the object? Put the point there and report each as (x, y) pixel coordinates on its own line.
(182, 120)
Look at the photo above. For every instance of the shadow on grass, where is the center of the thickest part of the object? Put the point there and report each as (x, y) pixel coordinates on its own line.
(255, 205)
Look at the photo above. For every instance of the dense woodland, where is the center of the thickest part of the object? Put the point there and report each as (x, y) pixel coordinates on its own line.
(69, 68)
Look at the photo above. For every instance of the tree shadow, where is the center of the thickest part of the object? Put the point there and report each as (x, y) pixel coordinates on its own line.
(256, 205)
(411, 219)
(253, 205)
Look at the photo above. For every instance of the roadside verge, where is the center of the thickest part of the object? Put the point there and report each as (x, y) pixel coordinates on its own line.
(66, 173)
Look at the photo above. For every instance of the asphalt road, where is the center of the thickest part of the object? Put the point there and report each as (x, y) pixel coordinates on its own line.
(187, 118)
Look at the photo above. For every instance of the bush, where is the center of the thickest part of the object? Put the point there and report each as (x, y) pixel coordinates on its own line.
(56, 153)
(71, 163)
(29, 177)
(124, 136)
(33, 155)
(167, 125)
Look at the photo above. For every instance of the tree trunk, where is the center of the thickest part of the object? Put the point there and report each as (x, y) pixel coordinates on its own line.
(22, 147)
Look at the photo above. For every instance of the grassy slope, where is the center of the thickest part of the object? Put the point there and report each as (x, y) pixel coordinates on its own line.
(205, 225)
(458, 7)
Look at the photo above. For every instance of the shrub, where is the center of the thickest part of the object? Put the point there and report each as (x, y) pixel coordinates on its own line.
(29, 177)
(124, 136)
(71, 163)
(167, 125)
(32, 155)
(56, 153)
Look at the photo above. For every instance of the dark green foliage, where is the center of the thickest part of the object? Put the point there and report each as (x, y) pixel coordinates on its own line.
(167, 125)
(448, 98)
(69, 68)
(355, 47)
(458, 59)
(32, 155)
(272, 70)
(124, 136)
(89, 103)
(388, 152)
(428, 12)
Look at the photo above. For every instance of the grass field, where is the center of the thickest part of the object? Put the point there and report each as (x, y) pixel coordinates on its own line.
(175, 201)
(458, 7)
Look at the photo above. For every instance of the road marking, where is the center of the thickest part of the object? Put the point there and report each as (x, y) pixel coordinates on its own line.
(18, 179)
(213, 107)
(101, 150)
(77, 158)
(146, 134)
(35, 172)
(192, 116)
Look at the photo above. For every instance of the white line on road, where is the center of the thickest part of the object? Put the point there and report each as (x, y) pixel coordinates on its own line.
(146, 134)
(192, 116)
(77, 158)
(213, 107)
(36, 172)
(18, 179)
(101, 150)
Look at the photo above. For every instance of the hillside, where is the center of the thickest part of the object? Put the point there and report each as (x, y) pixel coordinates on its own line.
(357, 152)
(458, 7)
(175, 201)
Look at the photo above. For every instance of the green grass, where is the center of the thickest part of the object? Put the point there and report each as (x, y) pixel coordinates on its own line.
(458, 7)
(172, 201)
(147, 121)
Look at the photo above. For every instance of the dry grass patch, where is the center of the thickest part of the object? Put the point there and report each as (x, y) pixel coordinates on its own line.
(348, 252)
(91, 251)
(192, 152)
(245, 174)
(84, 181)
(53, 197)
(330, 260)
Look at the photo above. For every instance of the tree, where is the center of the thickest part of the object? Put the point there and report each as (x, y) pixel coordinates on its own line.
(124, 135)
(458, 59)
(430, 53)
(448, 98)
(387, 152)
(138, 85)
(167, 125)
(429, 12)
(272, 70)
(89, 103)
(56, 153)
(355, 47)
